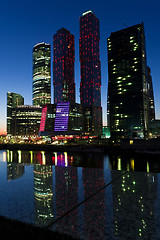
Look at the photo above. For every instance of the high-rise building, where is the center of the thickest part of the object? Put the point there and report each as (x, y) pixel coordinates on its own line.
(151, 96)
(41, 90)
(90, 87)
(13, 100)
(127, 86)
(63, 66)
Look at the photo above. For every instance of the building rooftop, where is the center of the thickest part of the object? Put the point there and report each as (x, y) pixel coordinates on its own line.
(42, 43)
(128, 28)
(87, 12)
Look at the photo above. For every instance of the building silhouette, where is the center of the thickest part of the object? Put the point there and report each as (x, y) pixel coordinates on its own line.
(127, 87)
(90, 86)
(41, 90)
(63, 66)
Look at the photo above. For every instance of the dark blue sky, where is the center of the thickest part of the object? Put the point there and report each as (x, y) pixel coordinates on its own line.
(25, 23)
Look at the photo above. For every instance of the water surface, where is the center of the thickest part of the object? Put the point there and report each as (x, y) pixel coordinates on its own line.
(91, 196)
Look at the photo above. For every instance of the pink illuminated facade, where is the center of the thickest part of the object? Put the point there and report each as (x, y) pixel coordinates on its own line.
(61, 119)
(43, 119)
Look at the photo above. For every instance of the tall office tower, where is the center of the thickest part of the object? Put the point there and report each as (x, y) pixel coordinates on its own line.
(13, 100)
(41, 89)
(151, 96)
(90, 87)
(63, 66)
(127, 86)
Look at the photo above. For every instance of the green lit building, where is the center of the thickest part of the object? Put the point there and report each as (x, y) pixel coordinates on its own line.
(13, 100)
(127, 87)
(41, 74)
(106, 131)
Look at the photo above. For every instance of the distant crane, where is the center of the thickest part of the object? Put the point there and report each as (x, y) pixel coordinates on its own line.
(125, 25)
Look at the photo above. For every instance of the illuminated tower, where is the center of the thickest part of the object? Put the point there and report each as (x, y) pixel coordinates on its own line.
(41, 74)
(90, 87)
(127, 87)
(63, 66)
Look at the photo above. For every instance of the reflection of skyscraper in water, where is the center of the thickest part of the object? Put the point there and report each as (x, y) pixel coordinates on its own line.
(43, 195)
(156, 205)
(108, 199)
(93, 179)
(67, 194)
(133, 207)
(14, 171)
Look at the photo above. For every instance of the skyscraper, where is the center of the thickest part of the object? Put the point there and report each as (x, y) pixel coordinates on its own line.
(13, 100)
(90, 87)
(127, 87)
(41, 90)
(63, 66)
(151, 96)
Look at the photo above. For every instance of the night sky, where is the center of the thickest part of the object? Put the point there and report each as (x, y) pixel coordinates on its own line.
(26, 23)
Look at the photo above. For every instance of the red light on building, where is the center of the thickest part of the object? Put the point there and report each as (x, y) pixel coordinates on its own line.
(43, 119)
(90, 95)
(63, 66)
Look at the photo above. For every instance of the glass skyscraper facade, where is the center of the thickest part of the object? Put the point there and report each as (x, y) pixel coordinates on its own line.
(13, 100)
(127, 86)
(41, 90)
(63, 66)
(90, 87)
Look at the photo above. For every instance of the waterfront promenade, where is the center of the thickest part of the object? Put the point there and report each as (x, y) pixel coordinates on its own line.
(126, 146)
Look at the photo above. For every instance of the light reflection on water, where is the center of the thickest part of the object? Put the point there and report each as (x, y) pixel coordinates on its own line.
(38, 187)
(127, 163)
